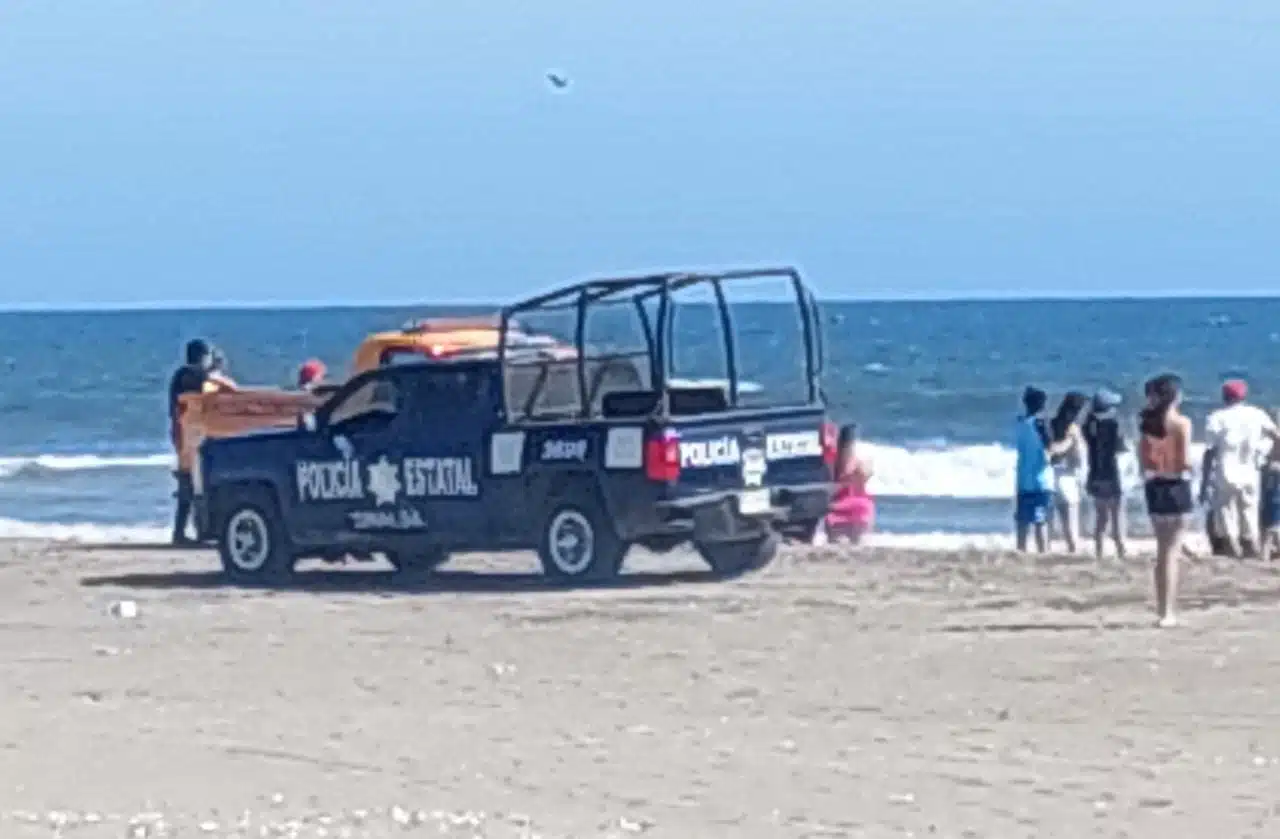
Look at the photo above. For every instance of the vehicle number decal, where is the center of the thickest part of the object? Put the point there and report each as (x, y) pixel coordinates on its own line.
(564, 450)
(794, 445)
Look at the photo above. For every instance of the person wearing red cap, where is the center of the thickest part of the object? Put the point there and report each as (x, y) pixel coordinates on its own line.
(311, 374)
(1238, 437)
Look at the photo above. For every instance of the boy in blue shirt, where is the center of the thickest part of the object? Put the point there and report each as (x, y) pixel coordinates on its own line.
(1034, 475)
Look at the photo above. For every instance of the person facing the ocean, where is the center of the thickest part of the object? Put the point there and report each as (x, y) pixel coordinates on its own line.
(1034, 477)
(218, 379)
(1164, 455)
(852, 511)
(1067, 455)
(192, 377)
(1237, 438)
(1105, 443)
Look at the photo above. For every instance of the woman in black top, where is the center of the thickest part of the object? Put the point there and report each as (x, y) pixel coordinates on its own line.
(1106, 442)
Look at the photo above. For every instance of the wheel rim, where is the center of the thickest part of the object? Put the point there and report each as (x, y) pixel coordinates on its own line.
(571, 542)
(248, 540)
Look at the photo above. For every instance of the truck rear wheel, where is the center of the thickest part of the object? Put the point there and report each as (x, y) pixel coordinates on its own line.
(578, 542)
(252, 542)
(731, 559)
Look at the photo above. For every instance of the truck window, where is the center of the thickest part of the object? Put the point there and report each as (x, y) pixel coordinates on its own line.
(377, 397)
(444, 393)
(769, 342)
(543, 390)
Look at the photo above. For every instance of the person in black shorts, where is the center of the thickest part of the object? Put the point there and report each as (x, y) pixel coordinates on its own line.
(191, 377)
(1163, 453)
(1105, 443)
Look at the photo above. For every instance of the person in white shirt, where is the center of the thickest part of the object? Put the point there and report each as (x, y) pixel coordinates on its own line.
(1238, 437)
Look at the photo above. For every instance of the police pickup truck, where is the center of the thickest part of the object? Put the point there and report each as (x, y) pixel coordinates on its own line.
(577, 455)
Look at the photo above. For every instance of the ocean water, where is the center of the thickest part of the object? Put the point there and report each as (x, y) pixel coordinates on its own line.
(933, 387)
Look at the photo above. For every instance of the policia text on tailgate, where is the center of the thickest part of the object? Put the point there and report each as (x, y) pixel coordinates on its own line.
(577, 455)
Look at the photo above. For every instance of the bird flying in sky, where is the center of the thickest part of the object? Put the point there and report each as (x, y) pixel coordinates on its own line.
(558, 80)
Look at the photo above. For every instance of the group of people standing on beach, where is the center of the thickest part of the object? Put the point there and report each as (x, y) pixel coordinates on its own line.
(1078, 451)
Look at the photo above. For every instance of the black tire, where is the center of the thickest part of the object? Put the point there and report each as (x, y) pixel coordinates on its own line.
(417, 562)
(804, 531)
(577, 541)
(731, 559)
(252, 541)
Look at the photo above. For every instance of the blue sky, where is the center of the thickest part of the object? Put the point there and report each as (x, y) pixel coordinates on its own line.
(411, 151)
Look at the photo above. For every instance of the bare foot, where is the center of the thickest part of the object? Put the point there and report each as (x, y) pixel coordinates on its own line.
(1167, 622)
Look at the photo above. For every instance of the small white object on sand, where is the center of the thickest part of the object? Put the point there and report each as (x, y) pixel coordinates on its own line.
(126, 609)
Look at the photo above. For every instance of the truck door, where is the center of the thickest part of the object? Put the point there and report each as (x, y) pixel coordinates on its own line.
(451, 411)
(347, 480)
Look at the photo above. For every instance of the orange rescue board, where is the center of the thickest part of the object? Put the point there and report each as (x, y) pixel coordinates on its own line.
(202, 415)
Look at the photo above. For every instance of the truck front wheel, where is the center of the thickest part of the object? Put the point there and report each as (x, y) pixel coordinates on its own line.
(731, 559)
(251, 540)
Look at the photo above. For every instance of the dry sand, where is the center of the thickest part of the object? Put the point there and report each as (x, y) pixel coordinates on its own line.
(881, 693)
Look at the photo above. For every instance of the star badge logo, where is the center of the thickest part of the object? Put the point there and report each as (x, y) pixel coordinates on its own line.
(384, 482)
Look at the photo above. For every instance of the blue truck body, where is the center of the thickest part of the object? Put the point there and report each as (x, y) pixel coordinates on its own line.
(417, 461)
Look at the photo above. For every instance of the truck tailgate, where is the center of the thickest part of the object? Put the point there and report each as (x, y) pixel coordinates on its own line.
(737, 453)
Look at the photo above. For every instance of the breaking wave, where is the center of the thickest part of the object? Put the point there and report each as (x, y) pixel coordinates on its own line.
(46, 464)
(972, 472)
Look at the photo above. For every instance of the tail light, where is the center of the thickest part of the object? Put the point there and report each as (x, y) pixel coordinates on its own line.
(662, 457)
(830, 444)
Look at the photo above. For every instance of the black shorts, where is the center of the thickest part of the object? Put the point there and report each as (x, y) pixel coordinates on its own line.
(1103, 489)
(1169, 496)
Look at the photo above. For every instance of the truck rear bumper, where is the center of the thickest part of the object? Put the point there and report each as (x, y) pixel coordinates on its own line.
(720, 516)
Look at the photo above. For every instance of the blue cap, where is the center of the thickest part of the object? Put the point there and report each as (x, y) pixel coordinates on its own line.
(1105, 400)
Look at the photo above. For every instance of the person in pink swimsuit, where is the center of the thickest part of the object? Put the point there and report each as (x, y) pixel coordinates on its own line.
(852, 511)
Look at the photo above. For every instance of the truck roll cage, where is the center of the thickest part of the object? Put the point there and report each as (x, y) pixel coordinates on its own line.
(588, 372)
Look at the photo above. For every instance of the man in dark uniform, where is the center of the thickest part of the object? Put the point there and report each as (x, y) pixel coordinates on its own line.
(191, 377)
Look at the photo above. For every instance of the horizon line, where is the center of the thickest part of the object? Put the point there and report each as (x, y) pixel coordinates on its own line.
(174, 306)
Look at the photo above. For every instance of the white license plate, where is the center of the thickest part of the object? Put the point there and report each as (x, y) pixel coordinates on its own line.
(754, 502)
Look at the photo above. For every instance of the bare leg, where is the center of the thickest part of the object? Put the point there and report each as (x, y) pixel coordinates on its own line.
(1042, 537)
(1101, 511)
(1117, 524)
(1022, 537)
(1069, 512)
(1160, 529)
(1168, 543)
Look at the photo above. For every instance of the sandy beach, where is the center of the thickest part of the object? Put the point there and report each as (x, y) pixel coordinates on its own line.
(883, 692)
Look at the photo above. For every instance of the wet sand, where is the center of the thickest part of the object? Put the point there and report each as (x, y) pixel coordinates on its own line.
(878, 693)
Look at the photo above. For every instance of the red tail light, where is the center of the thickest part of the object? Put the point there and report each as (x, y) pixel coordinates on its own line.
(830, 444)
(662, 457)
